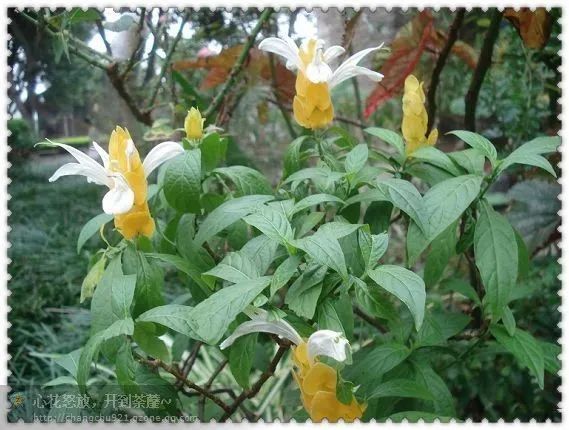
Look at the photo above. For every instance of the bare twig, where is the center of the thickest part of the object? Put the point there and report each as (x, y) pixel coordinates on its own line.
(216, 103)
(252, 392)
(484, 62)
(176, 373)
(441, 62)
(101, 31)
(117, 81)
(207, 386)
(186, 367)
(167, 60)
(133, 56)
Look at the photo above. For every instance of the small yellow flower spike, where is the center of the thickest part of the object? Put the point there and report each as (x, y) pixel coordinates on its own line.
(312, 105)
(317, 382)
(124, 159)
(193, 124)
(414, 125)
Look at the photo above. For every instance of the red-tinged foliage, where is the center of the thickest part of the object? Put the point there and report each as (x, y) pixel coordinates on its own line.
(257, 67)
(534, 28)
(406, 50)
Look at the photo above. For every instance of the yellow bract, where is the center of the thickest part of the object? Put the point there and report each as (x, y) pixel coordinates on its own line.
(317, 382)
(193, 124)
(312, 103)
(124, 159)
(414, 125)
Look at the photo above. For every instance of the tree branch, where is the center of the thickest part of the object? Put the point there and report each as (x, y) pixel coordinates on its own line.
(252, 392)
(207, 386)
(216, 103)
(441, 62)
(166, 65)
(484, 62)
(101, 30)
(116, 79)
(370, 320)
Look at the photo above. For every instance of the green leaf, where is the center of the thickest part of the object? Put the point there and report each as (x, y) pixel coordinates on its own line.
(149, 280)
(235, 267)
(248, 181)
(478, 142)
(190, 268)
(211, 318)
(436, 157)
(284, 273)
(378, 216)
(60, 380)
(113, 297)
(314, 173)
(304, 224)
(403, 195)
(446, 201)
(462, 287)
(551, 352)
(509, 321)
(328, 318)
(313, 200)
(69, 362)
(303, 294)
(92, 279)
(337, 229)
(496, 252)
(372, 362)
(343, 306)
(372, 247)
(400, 388)
(226, 214)
(529, 154)
(442, 250)
(271, 222)
(293, 156)
(405, 285)
(440, 326)
(416, 242)
(443, 401)
(262, 251)
(213, 149)
(391, 138)
(345, 391)
(241, 357)
(324, 250)
(124, 23)
(117, 328)
(470, 160)
(523, 257)
(90, 228)
(146, 338)
(356, 159)
(182, 182)
(175, 317)
(522, 345)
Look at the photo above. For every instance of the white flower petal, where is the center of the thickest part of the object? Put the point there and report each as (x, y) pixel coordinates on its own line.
(261, 324)
(333, 52)
(318, 71)
(327, 343)
(160, 154)
(284, 47)
(120, 198)
(102, 153)
(71, 169)
(349, 68)
(97, 172)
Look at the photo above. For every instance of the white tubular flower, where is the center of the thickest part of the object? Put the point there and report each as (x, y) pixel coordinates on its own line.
(327, 343)
(111, 173)
(321, 343)
(313, 61)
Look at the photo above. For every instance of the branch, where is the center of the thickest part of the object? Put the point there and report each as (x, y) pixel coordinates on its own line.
(207, 386)
(133, 56)
(441, 62)
(166, 65)
(101, 30)
(252, 392)
(216, 103)
(189, 362)
(176, 373)
(484, 62)
(117, 81)
(370, 320)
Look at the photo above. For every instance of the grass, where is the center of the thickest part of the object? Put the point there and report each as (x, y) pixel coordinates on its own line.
(46, 272)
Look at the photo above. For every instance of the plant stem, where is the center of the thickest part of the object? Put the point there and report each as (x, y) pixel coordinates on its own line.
(277, 98)
(216, 103)
(441, 62)
(484, 63)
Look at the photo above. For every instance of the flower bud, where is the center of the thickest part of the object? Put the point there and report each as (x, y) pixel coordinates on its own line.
(193, 124)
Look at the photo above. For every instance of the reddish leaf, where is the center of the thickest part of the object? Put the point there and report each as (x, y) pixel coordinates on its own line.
(534, 28)
(407, 48)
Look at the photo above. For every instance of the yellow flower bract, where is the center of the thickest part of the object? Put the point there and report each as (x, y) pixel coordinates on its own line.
(193, 124)
(317, 382)
(414, 125)
(125, 160)
(312, 105)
